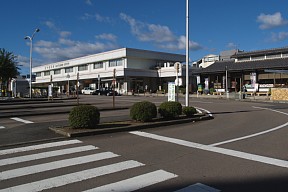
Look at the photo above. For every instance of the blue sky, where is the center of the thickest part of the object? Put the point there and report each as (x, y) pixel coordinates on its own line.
(73, 28)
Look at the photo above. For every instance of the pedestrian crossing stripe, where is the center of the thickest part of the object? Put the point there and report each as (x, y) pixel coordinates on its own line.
(55, 165)
(129, 184)
(74, 177)
(137, 182)
(40, 146)
(43, 155)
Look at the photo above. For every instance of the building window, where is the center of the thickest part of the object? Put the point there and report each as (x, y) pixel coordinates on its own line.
(57, 71)
(98, 65)
(273, 56)
(83, 67)
(46, 73)
(244, 59)
(69, 70)
(38, 74)
(116, 62)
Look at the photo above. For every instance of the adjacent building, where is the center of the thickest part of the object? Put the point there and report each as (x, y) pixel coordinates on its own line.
(131, 70)
(261, 69)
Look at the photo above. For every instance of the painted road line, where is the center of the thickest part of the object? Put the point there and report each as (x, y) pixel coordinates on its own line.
(229, 152)
(43, 155)
(55, 165)
(74, 177)
(21, 120)
(198, 187)
(40, 146)
(2, 127)
(136, 183)
(255, 134)
(271, 110)
(208, 112)
(252, 135)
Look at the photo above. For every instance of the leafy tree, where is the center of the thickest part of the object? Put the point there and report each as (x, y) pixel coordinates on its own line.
(8, 68)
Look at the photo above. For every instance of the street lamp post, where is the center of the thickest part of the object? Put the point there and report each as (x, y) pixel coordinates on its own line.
(31, 48)
(187, 55)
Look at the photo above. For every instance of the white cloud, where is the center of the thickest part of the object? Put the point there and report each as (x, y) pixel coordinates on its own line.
(180, 44)
(231, 45)
(23, 61)
(148, 32)
(106, 36)
(97, 17)
(271, 21)
(161, 35)
(65, 34)
(50, 24)
(281, 36)
(43, 43)
(88, 2)
(66, 48)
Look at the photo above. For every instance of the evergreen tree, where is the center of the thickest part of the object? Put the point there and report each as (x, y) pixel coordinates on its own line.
(8, 68)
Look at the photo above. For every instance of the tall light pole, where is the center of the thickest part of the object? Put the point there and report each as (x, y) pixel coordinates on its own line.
(31, 48)
(187, 54)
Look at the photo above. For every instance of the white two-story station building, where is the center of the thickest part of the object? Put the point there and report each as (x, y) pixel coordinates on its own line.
(134, 69)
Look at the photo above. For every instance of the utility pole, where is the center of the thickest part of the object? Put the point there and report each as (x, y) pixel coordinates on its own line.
(187, 54)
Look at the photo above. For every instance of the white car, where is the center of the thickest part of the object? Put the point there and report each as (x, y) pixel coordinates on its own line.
(87, 91)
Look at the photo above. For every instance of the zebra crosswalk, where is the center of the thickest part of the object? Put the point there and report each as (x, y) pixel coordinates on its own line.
(36, 168)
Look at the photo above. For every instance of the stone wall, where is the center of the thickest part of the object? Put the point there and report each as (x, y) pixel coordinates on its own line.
(279, 94)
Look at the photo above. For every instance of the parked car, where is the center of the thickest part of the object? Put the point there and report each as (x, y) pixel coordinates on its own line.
(107, 92)
(88, 91)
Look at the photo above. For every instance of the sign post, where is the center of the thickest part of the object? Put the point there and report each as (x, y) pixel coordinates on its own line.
(171, 91)
(113, 85)
(77, 87)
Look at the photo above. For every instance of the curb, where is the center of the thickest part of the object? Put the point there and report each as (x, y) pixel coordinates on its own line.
(87, 132)
(32, 142)
(54, 112)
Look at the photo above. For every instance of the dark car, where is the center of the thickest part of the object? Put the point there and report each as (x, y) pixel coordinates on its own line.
(107, 92)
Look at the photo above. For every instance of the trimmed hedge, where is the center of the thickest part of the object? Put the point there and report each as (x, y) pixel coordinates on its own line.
(170, 109)
(189, 111)
(84, 116)
(143, 111)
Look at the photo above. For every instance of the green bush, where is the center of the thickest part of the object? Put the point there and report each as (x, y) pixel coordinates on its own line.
(84, 116)
(143, 111)
(189, 111)
(170, 109)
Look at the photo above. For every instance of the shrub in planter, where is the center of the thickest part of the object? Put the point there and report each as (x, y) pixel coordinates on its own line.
(189, 111)
(170, 109)
(84, 116)
(143, 111)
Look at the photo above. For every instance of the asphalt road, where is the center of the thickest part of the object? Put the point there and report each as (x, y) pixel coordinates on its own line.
(244, 148)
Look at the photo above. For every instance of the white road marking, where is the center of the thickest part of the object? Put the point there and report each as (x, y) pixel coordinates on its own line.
(40, 146)
(43, 155)
(54, 165)
(136, 183)
(271, 110)
(249, 136)
(73, 177)
(208, 112)
(255, 134)
(21, 120)
(198, 187)
(2, 127)
(229, 152)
